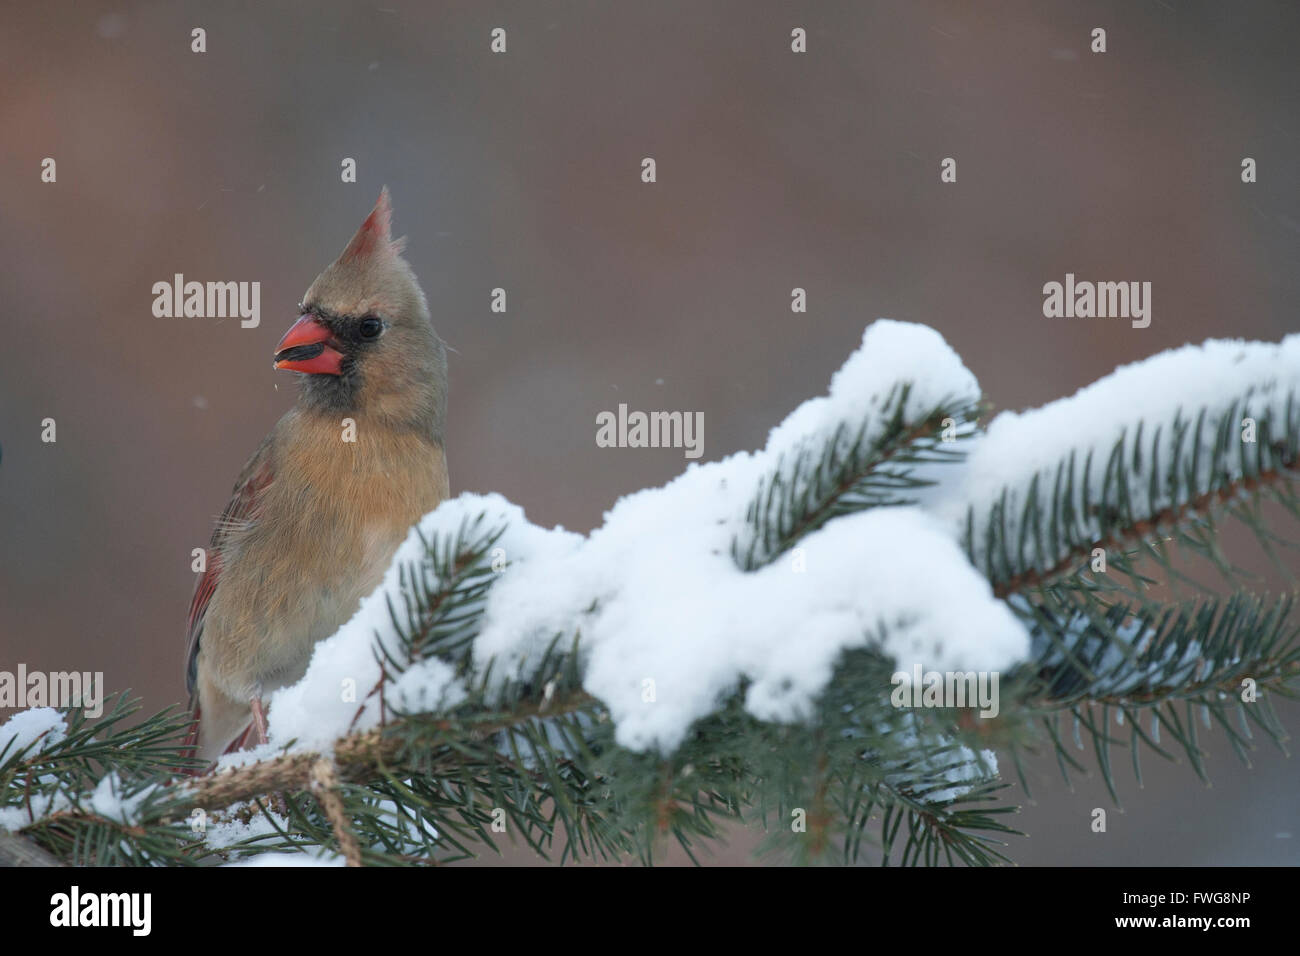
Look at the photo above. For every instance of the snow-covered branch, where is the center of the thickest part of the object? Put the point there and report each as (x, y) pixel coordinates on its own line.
(671, 623)
(731, 639)
(1130, 456)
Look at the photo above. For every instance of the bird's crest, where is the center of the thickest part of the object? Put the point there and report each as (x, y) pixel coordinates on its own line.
(375, 237)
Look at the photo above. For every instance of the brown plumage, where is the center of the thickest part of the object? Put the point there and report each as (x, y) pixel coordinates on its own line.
(315, 519)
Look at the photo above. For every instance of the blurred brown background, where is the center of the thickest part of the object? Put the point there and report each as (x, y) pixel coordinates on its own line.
(522, 171)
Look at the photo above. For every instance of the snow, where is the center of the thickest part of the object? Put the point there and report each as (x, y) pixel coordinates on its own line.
(677, 624)
(971, 771)
(34, 807)
(1021, 445)
(324, 705)
(109, 802)
(223, 833)
(243, 822)
(1114, 675)
(106, 800)
(942, 762)
(669, 624)
(891, 352)
(248, 757)
(39, 728)
(428, 686)
(26, 727)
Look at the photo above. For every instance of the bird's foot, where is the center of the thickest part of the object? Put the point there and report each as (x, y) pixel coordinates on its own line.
(259, 720)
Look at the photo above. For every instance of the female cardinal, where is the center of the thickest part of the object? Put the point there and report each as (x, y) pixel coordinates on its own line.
(331, 492)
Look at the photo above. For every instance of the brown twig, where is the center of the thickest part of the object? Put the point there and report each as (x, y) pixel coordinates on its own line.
(357, 758)
(325, 787)
(1140, 529)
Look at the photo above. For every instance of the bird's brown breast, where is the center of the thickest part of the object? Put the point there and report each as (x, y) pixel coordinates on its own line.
(328, 526)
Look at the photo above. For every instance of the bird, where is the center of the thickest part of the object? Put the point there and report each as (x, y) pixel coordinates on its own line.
(319, 510)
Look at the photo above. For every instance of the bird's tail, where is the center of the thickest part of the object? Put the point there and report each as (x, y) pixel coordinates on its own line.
(190, 747)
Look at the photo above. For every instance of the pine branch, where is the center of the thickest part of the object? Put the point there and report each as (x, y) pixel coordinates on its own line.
(1148, 491)
(357, 758)
(1146, 531)
(1144, 664)
(869, 464)
(534, 755)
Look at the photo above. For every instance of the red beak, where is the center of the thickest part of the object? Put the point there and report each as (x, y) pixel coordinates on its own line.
(305, 348)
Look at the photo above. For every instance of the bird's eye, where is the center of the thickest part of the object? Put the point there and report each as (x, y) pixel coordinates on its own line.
(371, 327)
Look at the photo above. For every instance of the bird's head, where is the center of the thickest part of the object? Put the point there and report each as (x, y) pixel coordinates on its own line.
(364, 340)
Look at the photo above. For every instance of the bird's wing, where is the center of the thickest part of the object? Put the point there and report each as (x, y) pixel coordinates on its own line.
(245, 504)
